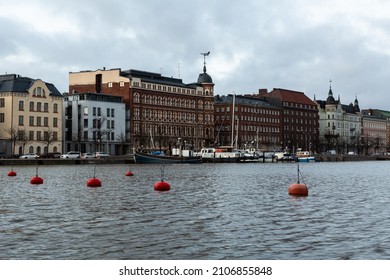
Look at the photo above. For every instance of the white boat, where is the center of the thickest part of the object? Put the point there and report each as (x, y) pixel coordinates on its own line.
(223, 154)
(304, 156)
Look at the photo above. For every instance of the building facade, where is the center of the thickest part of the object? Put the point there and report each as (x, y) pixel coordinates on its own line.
(95, 123)
(30, 116)
(339, 125)
(299, 119)
(375, 132)
(164, 112)
(247, 122)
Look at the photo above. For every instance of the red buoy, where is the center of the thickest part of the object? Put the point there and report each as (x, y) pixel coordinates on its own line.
(162, 186)
(94, 182)
(129, 173)
(298, 190)
(36, 180)
(11, 173)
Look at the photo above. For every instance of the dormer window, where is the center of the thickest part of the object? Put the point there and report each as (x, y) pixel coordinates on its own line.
(39, 92)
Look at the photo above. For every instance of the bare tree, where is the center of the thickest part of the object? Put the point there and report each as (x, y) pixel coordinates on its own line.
(12, 134)
(49, 136)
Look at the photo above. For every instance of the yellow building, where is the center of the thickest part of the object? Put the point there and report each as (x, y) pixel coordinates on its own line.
(30, 116)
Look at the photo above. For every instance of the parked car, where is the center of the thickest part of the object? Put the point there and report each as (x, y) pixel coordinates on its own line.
(29, 156)
(51, 155)
(87, 155)
(71, 155)
(101, 155)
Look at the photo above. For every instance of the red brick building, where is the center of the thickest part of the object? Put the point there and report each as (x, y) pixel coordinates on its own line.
(163, 112)
(257, 124)
(299, 118)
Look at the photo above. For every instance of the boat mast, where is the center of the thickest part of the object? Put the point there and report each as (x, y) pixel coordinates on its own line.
(234, 101)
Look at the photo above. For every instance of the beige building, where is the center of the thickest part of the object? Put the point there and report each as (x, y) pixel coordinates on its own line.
(30, 116)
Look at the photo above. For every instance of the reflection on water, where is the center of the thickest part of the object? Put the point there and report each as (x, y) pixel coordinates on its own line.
(213, 211)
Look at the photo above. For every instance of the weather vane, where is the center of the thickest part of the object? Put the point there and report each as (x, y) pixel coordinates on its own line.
(204, 60)
(204, 56)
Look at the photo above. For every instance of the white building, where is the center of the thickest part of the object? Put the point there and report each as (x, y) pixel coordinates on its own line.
(95, 122)
(339, 125)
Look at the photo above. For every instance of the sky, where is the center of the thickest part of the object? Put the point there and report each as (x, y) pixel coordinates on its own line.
(301, 45)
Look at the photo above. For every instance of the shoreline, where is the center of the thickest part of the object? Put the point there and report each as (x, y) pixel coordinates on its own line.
(130, 160)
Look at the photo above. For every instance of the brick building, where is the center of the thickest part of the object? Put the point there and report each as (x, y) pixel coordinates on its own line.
(299, 118)
(163, 113)
(256, 124)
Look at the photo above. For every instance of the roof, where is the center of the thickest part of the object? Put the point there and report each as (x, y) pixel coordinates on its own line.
(287, 95)
(150, 77)
(243, 100)
(17, 83)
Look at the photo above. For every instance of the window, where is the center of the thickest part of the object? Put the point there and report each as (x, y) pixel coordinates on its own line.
(31, 135)
(99, 111)
(110, 84)
(39, 121)
(46, 107)
(39, 105)
(21, 105)
(55, 136)
(45, 121)
(31, 106)
(39, 135)
(108, 112)
(31, 121)
(55, 122)
(112, 113)
(1, 117)
(112, 125)
(39, 92)
(2, 102)
(21, 120)
(55, 108)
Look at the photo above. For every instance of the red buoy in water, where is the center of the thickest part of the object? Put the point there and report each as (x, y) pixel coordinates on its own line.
(162, 186)
(94, 182)
(36, 180)
(298, 190)
(129, 173)
(11, 173)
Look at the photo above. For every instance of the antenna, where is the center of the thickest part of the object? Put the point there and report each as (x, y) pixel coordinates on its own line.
(204, 60)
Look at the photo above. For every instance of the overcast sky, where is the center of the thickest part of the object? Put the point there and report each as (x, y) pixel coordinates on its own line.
(299, 45)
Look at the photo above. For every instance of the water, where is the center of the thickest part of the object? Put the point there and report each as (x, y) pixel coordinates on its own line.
(213, 211)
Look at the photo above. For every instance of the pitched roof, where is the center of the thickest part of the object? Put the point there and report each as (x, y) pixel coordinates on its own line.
(287, 95)
(16, 83)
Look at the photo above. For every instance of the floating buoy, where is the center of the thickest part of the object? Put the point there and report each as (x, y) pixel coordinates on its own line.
(36, 180)
(129, 173)
(94, 182)
(162, 186)
(298, 189)
(11, 173)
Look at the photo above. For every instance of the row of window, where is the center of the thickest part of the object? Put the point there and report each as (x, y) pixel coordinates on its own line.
(97, 111)
(169, 130)
(248, 110)
(299, 105)
(37, 135)
(33, 107)
(37, 121)
(172, 102)
(249, 119)
(160, 115)
(164, 88)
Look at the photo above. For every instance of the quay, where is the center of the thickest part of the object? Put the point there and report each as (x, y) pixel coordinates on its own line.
(59, 161)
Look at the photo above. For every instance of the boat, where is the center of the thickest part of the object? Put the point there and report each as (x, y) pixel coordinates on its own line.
(304, 156)
(222, 154)
(164, 159)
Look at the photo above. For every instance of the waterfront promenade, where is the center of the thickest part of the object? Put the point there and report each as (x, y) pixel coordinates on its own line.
(128, 159)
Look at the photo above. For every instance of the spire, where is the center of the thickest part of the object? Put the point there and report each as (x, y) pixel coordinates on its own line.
(204, 60)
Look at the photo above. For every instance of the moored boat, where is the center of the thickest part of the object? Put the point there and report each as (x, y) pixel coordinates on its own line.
(223, 154)
(164, 159)
(304, 156)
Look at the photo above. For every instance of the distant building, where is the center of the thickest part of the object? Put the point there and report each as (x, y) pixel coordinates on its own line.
(299, 119)
(375, 131)
(247, 122)
(164, 112)
(30, 116)
(94, 123)
(339, 125)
